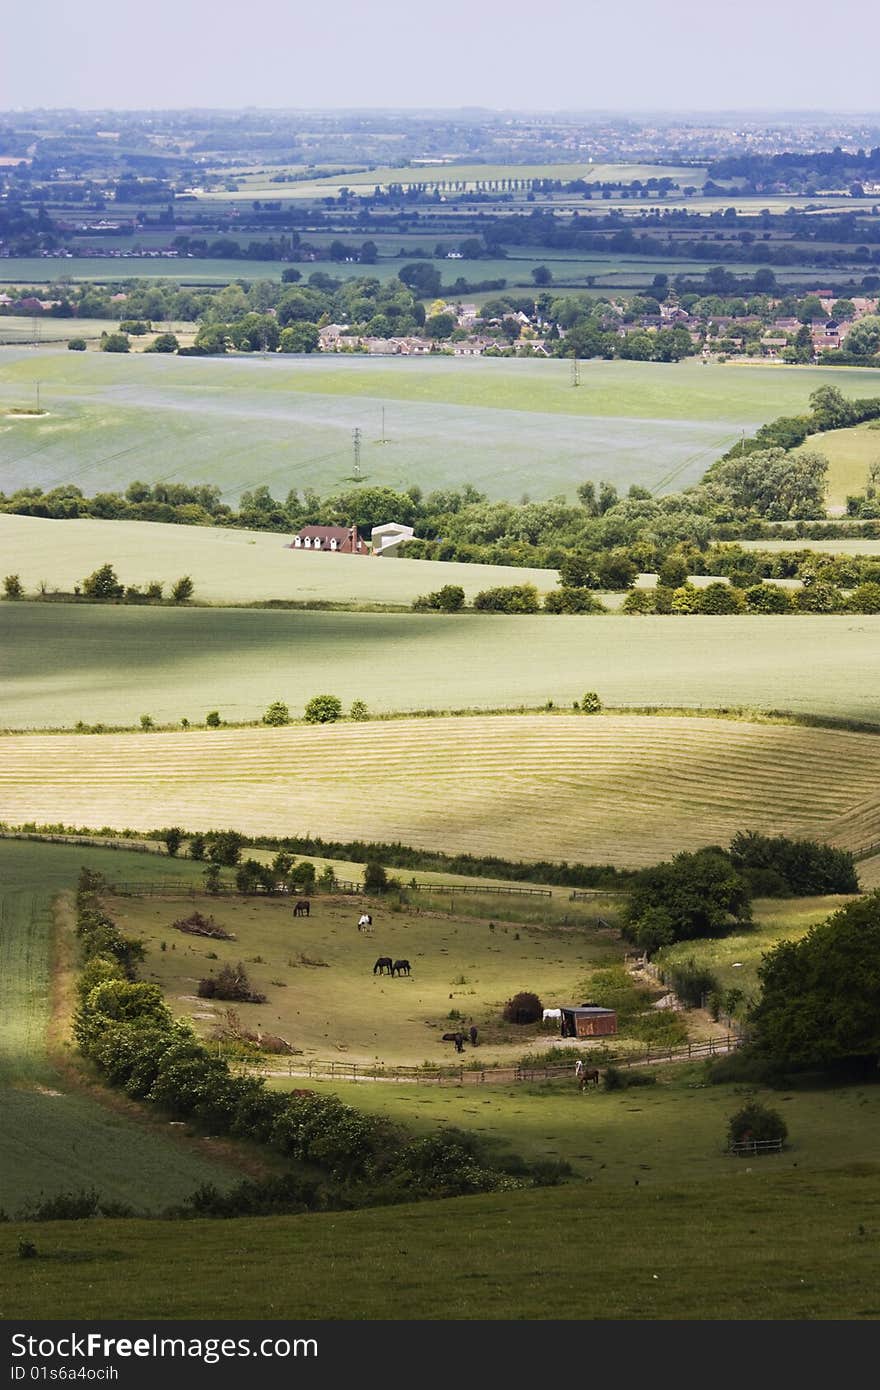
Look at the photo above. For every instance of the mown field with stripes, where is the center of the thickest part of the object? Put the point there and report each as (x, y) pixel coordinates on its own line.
(621, 789)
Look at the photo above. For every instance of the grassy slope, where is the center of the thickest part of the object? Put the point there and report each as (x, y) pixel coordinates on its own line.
(850, 454)
(88, 662)
(230, 566)
(618, 789)
(507, 426)
(345, 1013)
(54, 1136)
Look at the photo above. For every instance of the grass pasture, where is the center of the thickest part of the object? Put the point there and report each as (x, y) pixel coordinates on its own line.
(615, 789)
(230, 566)
(110, 664)
(55, 1135)
(323, 997)
(508, 426)
(850, 453)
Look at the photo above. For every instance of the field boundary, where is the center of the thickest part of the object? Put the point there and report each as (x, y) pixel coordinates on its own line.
(479, 1076)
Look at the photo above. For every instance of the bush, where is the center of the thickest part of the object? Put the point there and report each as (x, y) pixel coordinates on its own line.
(103, 585)
(523, 1008)
(212, 719)
(12, 586)
(691, 982)
(375, 878)
(449, 599)
(719, 599)
(182, 589)
(277, 714)
(76, 345)
(232, 983)
(515, 598)
(323, 709)
(358, 712)
(114, 342)
(756, 1122)
(572, 601)
(639, 601)
(768, 598)
(620, 1079)
(591, 704)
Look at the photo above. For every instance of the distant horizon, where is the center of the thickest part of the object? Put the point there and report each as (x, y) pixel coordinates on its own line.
(292, 55)
(634, 112)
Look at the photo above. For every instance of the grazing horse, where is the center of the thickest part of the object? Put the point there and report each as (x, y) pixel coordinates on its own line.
(365, 922)
(303, 908)
(382, 964)
(457, 1038)
(587, 1077)
(400, 967)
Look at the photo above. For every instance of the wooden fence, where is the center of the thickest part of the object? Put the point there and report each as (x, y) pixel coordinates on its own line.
(749, 1148)
(475, 1075)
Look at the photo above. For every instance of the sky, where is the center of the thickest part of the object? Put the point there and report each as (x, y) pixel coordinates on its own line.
(641, 55)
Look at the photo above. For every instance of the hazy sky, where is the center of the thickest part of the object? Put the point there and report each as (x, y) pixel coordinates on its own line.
(509, 54)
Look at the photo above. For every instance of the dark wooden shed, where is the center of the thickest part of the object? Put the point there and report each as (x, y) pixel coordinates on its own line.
(587, 1021)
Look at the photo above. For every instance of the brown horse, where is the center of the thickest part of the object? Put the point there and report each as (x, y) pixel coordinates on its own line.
(589, 1076)
(303, 908)
(383, 964)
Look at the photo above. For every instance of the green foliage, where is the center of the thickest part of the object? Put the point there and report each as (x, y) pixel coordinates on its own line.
(720, 598)
(225, 846)
(358, 712)
(693, 895)
(146, 722)
(277, 714)
(622, 1078)
(523, 1008)
(820, 999)
(76, 345)
(103, 585)
(212, 719)
(800, 868)
(182, 589)
(756, 1123)
(13, 587)
(197, 846)
(230, 984)
(591, 704)
(173, 838)
(690, 982)
(163, 342)
(768, 598)
(375, 877)
(640, 601)
(323, 709)
(114, 342)
(514, 598)
(572, 601)
(449, 599)
(212, 878)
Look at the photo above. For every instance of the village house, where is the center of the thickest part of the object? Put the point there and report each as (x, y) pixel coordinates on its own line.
(342, 540)
(388, 537)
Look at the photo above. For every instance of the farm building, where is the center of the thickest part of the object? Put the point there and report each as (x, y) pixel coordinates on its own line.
(587, 1021)
(342, 539)
(387, 538)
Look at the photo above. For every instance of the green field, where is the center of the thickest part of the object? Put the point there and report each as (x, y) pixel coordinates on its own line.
(848, 545)
(508, 426)
(230, 566)
(109, 664)
(336, 1009)
(16, 329)
(850, 453)
(55, 1135)
(615, 789)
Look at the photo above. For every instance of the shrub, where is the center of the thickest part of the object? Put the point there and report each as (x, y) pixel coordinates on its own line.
(212, 878)
(212, 719)
(323, 709)
(720, 598)
(768, 598)
(277, 714)
(756, 1122)
(620, 1079)
(375, 878)
(147, 722)
(449, 599)
(591, 704)
(691, 982)
(572, 600)
(103, 584)
(173, 838)
(639, 601)
(865, 599)
(197, 845)
(515, 598)
(358, 712)
(523, 1008)
(12, 586)
(76, 345)
(114, 342)
(231, 983)
(182, 589)
(686, 599)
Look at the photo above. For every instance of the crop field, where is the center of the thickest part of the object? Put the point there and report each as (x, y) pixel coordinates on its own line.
(508, 426)
(622, 789)
(850, 453)
(323, 997)
(847, 545)
(110, 664)
(55, 1136)
(17, 329)
(231, 566)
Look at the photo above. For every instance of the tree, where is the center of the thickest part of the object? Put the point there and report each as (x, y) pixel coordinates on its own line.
(115, 342)
(173, 838)
(449, 599)
(865, 599)
(76, 345)
(422, 278)
(616, 570)
(755, 1123)
(163, 342)
(290, 275)
(358, 712)
(591, 704)
(13, 587)
(224, 847)
(700, 895)
(103, 585)
(767, 598)
(211, 876)
(820, 996)
(572, 601)
(523, 1008)
(577, 571)
(375, 877)
(440, 326)
(212, 719)
(182, 589)
(673, 571)
(197, 847)
(720, 598)
(301, 336)
(542, 275)
(323, 709)
(831, 409)
(277, 714)
(514, 598)
(302, 876)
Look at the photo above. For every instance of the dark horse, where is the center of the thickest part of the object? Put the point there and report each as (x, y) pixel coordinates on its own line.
(457, 1038)
(587, 1077)
(303, 908)
(400, 967)
(382, 964)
